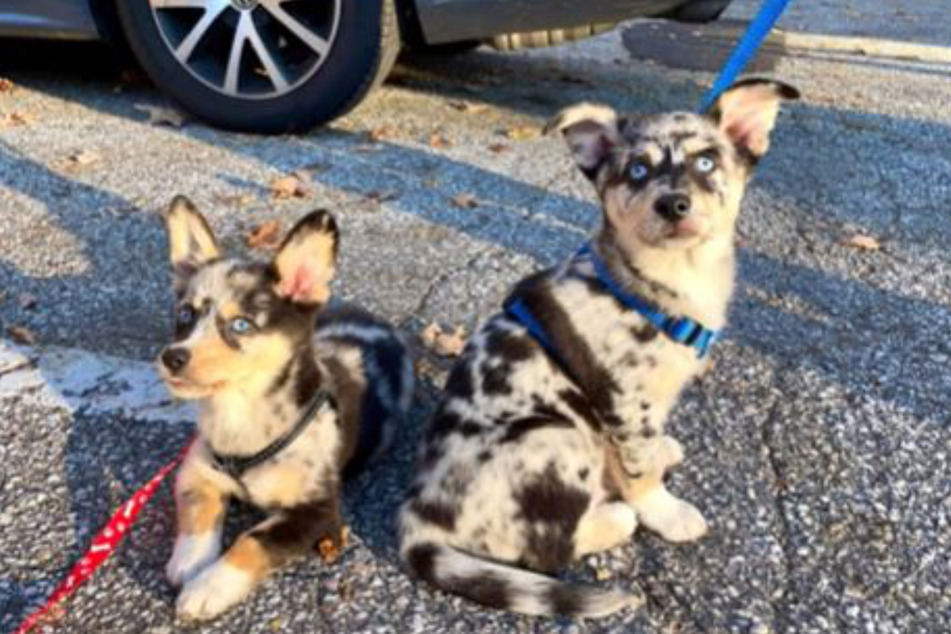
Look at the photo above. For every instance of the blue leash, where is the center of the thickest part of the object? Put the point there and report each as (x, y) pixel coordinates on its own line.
(756, 32)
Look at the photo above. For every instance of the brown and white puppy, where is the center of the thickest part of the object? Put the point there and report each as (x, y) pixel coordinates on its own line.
(256, 347)
(538, 456)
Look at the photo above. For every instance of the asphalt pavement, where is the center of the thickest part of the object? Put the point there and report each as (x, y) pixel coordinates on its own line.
(818, 447)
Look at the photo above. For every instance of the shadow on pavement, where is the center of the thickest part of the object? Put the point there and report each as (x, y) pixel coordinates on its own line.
(840, 343)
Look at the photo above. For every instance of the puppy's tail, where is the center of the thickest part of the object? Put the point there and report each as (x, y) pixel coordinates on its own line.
(505, 587)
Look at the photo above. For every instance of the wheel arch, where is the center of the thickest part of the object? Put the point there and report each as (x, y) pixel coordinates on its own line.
(106, 15)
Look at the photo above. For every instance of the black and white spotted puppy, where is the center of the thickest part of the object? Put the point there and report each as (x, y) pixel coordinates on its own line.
(549, 442)
(291, 395)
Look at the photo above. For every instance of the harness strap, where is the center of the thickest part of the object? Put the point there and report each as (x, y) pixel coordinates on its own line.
(236, 466)
(683, 330)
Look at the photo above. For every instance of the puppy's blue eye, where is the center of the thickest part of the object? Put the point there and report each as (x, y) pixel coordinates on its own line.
(704, 164)
(639, 170)
(186, 315)
(240, 326)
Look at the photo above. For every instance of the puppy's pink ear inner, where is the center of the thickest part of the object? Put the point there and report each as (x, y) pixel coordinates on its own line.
(589, 143)
(304, 286)
(750, 128)
(747, 112)
(306, 262)
(591, 132)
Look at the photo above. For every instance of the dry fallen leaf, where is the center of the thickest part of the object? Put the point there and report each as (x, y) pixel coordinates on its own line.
(162, 115)
(468, 107)
(602, 574)
(284, 187)
(78, 161)
(85, 157)
(265, 235)
(381, 132)
(305, 186)
(465, 201)
(437, 140)
(295, 185)
(14, 119)
(523, 132)
(864, 242)
(235, 199)
(21, 335)
(444, 344)
(500, 148)
(6, 85)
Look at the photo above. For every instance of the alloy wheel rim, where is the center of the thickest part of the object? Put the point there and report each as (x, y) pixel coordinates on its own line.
(249, 49)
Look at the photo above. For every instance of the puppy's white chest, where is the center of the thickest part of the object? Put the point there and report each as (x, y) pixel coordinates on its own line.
(298, 473)
(285, 484)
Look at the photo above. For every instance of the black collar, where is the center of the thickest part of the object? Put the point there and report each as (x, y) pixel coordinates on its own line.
(236, 466)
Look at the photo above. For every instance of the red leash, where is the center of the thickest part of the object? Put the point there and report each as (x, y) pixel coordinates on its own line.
(102, 547)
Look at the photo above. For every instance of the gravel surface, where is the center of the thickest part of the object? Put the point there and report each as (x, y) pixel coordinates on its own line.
(818, 447)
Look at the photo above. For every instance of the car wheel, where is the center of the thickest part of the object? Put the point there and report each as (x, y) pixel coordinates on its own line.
(268, 66)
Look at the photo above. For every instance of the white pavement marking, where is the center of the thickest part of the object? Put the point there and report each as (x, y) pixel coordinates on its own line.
(72, 379)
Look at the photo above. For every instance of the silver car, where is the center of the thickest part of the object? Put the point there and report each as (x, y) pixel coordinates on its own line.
(286, 65)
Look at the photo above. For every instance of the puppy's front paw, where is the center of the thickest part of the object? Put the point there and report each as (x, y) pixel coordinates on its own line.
(192, 554)
(330, 547)
(215, 590)
(671, 518)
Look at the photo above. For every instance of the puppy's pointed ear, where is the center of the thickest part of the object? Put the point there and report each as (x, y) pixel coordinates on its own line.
(591, 132)
(191, 242)
(307, 260)
(747, 112)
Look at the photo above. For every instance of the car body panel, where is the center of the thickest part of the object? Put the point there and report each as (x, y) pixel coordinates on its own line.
(60, 19)
(445, 21)
(441, 21)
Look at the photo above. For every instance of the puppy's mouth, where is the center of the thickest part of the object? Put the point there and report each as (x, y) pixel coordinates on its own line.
(187, 388)
(685, 229)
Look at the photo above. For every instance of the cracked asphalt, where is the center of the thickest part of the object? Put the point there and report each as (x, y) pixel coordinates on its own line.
(818, 446)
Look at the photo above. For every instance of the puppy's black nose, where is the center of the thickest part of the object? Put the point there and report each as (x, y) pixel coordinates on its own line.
(175, 358)
(672, 207)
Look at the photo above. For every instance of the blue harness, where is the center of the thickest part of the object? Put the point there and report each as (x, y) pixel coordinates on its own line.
(683, 330)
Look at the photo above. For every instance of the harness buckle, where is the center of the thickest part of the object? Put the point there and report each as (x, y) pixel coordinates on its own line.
(683, 330)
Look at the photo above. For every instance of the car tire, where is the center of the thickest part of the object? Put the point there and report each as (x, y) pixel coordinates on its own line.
(321, 64)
